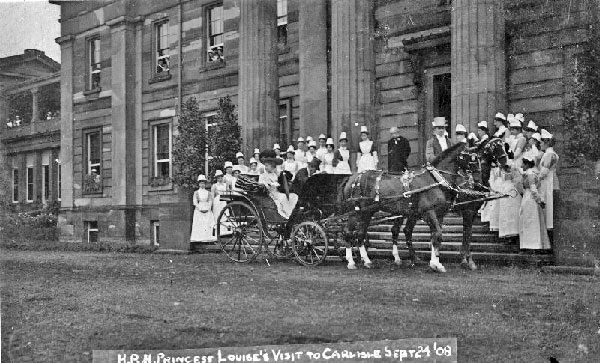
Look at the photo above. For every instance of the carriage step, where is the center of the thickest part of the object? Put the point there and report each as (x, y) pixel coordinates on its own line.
(447, 246)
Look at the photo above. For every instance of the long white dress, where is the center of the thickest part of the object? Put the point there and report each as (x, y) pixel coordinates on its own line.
(202, 227)
(532, 229)
(367, 157)
(301, 158)
(291, 166)
(285, 206)
(508, 208)
(218, 205)
(327, 163)
(549, 183)
(343, 166)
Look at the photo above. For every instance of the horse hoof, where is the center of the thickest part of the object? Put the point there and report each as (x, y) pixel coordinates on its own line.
(437, 267)
(472, 265)
(398, 262)
(368, 265)
(352, 266)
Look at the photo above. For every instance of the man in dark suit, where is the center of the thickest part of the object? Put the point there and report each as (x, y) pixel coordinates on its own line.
(398, 151)
(439, 142)
(303, 174)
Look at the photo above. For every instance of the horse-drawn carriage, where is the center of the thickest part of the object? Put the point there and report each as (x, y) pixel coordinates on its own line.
(250, 223)
(329, 214)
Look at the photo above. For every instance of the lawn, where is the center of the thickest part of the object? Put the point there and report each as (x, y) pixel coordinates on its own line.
(59, 306)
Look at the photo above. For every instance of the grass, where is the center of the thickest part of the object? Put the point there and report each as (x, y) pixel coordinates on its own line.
(60, 305)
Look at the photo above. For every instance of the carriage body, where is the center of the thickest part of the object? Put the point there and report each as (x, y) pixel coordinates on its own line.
(250, 223)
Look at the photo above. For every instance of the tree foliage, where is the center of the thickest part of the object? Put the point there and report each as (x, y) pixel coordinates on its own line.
(189, 146)
(223, 138)
(582, 116)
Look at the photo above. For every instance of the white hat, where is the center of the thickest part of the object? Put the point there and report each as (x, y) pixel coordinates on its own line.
(329, 141)
(312, 143)
(322, 136)
(545, 134)
(256, 151)
(513, 121)
(228, 164)
(237, 168)
(532, 126)
(239, 155)
(343, 136)
(363, 128)
(482, 124)
(218, 173)
(253, 160)
(300, 139)
(537, 136)
(290, 149)
(439, 122)
(500, 116)
(460, 128)
(520, 117)
(472, 136)
(201, 177)
(276, 146)
(394, 129)
(309, 139)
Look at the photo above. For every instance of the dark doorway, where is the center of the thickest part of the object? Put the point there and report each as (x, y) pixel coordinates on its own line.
(442, 97)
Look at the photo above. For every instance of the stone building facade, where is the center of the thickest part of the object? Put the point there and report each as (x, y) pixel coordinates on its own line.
(30, 129)
(293, 68)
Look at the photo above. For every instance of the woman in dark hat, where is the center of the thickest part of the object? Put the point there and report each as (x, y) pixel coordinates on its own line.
(270, 179)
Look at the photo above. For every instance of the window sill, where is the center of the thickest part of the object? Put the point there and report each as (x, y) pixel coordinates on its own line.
(161, 188)
(160, 77)
(92, 92)
(209, 66)
(158, 184)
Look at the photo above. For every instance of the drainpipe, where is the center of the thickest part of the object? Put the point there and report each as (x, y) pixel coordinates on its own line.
(180, 73)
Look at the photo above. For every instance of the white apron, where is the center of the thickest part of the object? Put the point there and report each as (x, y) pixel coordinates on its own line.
(202, 226)
(343, 167)
(367, 159)
(549, 183)
(532, 229)
(327, 163)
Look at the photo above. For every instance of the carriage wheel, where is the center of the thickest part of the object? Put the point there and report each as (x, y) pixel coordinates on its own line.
(239, 232)
(309, 242)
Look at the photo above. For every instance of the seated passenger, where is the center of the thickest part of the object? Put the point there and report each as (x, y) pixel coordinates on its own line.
(270, 178)
(303, 174)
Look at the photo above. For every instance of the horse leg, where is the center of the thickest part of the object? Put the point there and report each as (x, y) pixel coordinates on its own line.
(349, 230)
(395, 233)
(411, 221)
(467, 260)
(362, 234)
(436, 237)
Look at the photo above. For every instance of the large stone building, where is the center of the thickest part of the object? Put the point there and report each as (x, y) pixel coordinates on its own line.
(293, 68)
(30, 129)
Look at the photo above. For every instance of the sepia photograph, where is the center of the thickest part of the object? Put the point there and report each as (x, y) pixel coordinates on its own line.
(207, 181)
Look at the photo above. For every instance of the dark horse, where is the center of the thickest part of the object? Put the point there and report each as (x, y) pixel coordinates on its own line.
(476, 163)
(423, 196)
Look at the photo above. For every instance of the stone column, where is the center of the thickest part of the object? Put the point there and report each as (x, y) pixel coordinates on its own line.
(258, 78)
(478, 61)
(313, 67)
(352, 69)
(35, 112)
(66, 123)
(124, 125)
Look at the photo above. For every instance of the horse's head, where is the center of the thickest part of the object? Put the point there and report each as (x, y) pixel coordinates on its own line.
(494, 154)
(468, 161)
